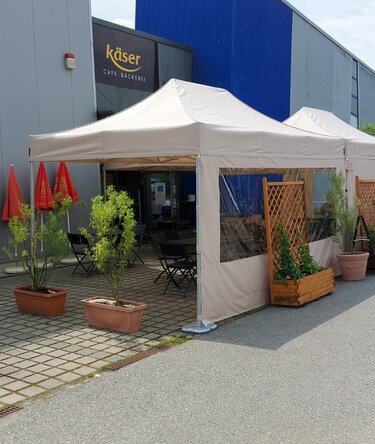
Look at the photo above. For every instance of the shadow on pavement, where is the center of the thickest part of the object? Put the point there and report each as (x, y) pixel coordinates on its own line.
(276, 326)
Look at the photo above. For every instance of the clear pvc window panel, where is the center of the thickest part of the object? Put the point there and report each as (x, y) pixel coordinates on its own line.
(242, 225)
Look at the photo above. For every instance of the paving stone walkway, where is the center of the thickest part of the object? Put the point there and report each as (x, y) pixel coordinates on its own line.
(38, 354)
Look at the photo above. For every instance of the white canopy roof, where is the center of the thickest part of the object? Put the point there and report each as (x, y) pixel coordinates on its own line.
(176, 123)
(360, 144)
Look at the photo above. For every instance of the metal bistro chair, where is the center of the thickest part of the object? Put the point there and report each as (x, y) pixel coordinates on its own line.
(178, 263)
(156, 239)
(80, 245)
(139, 237)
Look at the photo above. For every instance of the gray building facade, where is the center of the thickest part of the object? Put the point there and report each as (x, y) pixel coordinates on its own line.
(326, 75)
(38, 94)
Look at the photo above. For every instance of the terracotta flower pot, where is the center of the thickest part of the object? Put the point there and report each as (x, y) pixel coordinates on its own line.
(112, 317)
(44, 304)
(353, 265)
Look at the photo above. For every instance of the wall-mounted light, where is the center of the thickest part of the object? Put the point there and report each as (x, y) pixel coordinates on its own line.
(70, 60)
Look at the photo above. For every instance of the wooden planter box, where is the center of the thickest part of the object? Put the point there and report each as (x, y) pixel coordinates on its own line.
(297, 293)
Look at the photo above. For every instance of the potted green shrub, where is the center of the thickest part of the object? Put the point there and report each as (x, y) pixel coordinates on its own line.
(111, 237)
(352, 263)
(36, 297)
(298, 278)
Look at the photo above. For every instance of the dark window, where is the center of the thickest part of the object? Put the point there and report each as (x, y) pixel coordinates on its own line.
(354, 106)
(354, 88)
(355, 69)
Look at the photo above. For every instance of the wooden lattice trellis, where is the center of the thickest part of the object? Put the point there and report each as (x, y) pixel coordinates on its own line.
(284, 203)
(365, 190)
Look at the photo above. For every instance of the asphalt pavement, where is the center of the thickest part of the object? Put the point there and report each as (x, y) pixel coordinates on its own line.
(281, 375)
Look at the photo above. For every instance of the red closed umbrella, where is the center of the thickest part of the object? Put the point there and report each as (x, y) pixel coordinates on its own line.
(64, 185)
(43, 196)
(13, 198)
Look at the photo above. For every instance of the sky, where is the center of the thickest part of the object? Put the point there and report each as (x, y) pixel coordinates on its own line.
(350, 22)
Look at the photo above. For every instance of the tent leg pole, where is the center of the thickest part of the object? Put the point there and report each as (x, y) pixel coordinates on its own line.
(199, 327)
(346, 178)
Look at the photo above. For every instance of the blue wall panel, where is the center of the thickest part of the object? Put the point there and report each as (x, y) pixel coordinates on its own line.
(203, 24)
(241, 45)
(261, 56)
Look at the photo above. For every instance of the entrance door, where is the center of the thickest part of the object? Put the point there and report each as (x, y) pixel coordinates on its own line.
(161, 198)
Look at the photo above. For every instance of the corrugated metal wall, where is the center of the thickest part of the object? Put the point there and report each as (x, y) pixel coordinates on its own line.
(261, 55)
(37, 93)
(240, 45)
(206, 25)
(321, 72)
(267, 54)
(366, 80)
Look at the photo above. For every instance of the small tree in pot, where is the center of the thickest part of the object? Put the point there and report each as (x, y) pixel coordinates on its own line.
(26, 239)
(111, 239)
(353, 264)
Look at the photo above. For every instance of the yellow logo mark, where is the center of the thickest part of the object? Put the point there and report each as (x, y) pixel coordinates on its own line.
(117, 55)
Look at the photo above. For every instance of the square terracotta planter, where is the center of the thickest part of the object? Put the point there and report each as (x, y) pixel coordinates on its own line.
(111, 317)
(301, 291)
(43, 304)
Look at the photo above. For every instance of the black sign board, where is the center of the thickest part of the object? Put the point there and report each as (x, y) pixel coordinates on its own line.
(124, 59)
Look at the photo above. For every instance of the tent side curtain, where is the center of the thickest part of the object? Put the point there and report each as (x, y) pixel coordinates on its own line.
(232, 223)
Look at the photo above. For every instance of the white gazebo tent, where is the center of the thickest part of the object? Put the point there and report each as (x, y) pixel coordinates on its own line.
(186, 124)
(360, 147)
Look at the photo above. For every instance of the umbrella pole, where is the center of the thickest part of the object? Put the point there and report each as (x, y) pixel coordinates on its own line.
(32, 206)
(41, 226)
(68, 221)
(32, 200)
(199, 327)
